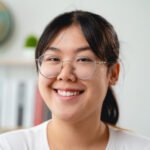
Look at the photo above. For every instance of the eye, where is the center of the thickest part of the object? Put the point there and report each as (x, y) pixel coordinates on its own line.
(84, 60)
(51, 59)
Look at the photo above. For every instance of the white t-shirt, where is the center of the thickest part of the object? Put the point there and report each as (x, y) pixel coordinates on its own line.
(35, 138)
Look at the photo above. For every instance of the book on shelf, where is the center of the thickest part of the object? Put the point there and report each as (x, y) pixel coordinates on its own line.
(2, 92)
(42, 112)
(17, 91)
(38, 111)
(2, 98)
(21, 104)
(29, 103)
(9, 104)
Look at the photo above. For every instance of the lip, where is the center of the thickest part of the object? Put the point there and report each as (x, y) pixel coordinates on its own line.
(70, 98)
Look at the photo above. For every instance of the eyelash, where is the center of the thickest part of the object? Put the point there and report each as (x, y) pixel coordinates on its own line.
(52, 59)
(84, 59)
(78, 59)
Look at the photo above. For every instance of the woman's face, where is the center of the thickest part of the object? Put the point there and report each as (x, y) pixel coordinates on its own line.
(68, 97)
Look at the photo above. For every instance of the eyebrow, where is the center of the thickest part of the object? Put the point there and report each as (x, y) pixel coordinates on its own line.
(84, 48)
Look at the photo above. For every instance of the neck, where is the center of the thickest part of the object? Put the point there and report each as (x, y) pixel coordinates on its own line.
(90, 131)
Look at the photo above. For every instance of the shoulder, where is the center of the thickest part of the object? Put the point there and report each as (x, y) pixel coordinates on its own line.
(24, 138)
(124, 139)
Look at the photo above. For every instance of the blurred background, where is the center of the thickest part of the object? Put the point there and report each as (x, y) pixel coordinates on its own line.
(21, 24)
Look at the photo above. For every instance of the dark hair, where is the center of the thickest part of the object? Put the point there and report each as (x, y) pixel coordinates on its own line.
(103, 41)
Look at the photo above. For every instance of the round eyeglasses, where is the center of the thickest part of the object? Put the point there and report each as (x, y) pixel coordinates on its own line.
(83, 67)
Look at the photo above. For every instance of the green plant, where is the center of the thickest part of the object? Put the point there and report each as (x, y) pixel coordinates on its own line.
(31, 41)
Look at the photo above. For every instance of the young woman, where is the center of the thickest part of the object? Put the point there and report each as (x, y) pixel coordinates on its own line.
(77, 62)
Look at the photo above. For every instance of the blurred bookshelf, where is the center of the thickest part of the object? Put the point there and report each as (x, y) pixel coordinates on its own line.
(21, 105)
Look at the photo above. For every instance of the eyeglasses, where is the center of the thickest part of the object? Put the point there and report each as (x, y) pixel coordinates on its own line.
(83, 67)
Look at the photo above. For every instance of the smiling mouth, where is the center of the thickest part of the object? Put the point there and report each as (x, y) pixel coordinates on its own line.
(68, 93)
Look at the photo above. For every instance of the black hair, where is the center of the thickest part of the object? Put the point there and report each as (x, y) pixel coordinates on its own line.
(102, 40)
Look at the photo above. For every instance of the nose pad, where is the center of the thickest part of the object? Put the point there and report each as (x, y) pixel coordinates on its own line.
(66, 72)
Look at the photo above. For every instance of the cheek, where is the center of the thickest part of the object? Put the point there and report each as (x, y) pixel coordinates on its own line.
(99, 89)
(100, 85)
(44, 86)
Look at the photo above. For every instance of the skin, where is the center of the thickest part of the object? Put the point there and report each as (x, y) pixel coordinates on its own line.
(75, 122)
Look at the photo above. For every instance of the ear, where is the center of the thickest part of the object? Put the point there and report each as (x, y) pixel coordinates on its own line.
(114, 74)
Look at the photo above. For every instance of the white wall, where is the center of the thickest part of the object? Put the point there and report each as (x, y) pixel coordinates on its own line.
(131, 20)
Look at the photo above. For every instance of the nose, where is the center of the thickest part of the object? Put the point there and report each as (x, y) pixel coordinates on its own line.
(67, 73)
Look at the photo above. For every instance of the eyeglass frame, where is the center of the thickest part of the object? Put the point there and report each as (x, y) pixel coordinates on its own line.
(62, 62)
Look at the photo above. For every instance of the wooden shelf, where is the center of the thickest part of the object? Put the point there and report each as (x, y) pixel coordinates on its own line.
(17, 62)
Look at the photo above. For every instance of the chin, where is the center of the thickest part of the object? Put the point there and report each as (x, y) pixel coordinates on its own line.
(67, 116)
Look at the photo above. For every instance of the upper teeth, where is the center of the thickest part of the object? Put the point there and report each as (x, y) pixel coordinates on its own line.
(67, 93)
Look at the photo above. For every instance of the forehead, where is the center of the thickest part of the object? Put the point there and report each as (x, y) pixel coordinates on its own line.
(69, 38)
